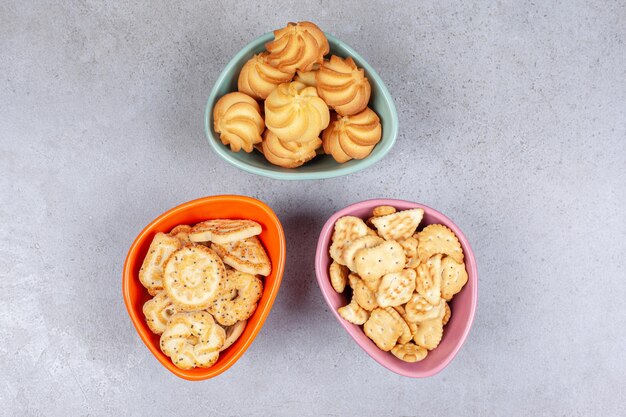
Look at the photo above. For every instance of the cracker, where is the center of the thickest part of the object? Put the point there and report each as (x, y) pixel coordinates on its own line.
(247, 255)
(338, 276)
(223, 231)
(383, 328)
(232, 334)
(383, 211)
(447, 315)
(151, 272)
(429, 333)
(362, 294)
(192, 339)
(418, 309)
(400, 225)
(350, 250)
(453, 277)
(237, 298)
(428, 281)
(379, 260)
(396, 288)
(158, 311)
(409, 352)
(409, 245)
(354, 313)
(437, 238)
(406, 330)
(192, 276)
(412, 325)
(347, 230)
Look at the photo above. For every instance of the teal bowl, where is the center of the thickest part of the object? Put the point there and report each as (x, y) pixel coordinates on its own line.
(322, 166)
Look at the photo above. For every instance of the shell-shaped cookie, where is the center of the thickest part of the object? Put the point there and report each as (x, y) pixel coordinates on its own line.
(288, 154)
(343, 85)
(295, 113)
(192, 340)
(352, 137)
(237, 118)
(192, 276)
(297, 47)
(258, 78)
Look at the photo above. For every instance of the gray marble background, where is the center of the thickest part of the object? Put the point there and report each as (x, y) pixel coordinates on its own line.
(512, 122)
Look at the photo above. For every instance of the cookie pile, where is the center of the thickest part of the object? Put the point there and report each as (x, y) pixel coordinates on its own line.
(311, 104)
(400, 279)
(205, 286)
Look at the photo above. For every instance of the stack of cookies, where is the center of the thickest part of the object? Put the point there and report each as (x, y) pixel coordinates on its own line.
(308, 105)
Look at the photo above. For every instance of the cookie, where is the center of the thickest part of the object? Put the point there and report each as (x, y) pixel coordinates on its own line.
(418, 309)
(428, 281)
(400, 225)
(158, 311)
(409, 245)
(383, 328)
(232, 334)
(362, 294)
(247, 255)
(367, 241)
(192, 340)
(447, 315)
(406, 330)
(354, 313)
(258, 78)
(396, 288)
(352, 137)
(181, 232)
(223, 231)
(383, 211)
(409, 352)
(298, 46)
(237, 118)
(338, 276)
(347, 230)
(379, 260)
(343, 85)
(192, 276)
(236, 299)
(151, 271)
(453, 277)
(437, 238)
(288, 154)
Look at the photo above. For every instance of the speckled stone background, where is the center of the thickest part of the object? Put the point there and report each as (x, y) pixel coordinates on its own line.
(512, 122)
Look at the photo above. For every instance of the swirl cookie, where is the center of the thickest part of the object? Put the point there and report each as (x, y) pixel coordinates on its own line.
(352, 137)
(151, 271)
(295, 113)
(258, 78)
(247, 255)
(237, 118)
(288, 154)
(343, 86)
(299, 46)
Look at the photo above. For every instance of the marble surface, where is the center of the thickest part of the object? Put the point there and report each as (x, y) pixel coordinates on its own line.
(512, 122)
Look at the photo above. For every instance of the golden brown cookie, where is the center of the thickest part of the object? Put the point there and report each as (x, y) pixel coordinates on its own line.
(351, 137)
(247, 255)
(258, 78)
(288, 154)
(237, 298)
(343, 85)
(237, 118)
(158, 311)
(151, 271)
(299, 46)
(222, 231)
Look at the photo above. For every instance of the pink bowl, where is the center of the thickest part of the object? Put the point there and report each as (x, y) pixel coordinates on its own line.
(463, 304)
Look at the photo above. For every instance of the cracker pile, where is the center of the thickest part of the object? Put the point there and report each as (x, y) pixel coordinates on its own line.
(401, 280)
(205, 286)
(311, 104)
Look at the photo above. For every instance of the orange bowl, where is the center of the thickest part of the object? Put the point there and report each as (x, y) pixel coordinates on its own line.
(215, 207)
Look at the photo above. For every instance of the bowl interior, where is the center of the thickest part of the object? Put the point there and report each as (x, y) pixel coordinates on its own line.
(463, 304)
(322, 166)
(229, 207)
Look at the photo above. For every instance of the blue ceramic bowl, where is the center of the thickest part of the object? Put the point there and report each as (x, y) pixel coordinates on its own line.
(322, 166)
